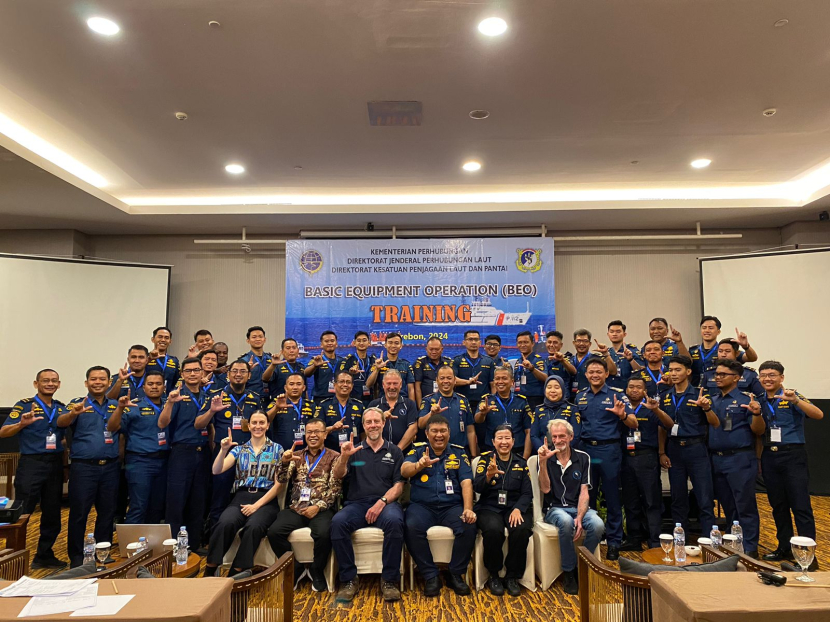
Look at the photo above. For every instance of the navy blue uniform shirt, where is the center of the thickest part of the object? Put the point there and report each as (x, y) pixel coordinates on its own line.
(466, 367)
(647, 426)
(524, 381)
(543, 415)
(691, 419)
(786, 415)
(237, 410)
(731, 413)
(350, 413)
(364, 367)
(624, 369)
(132, 386)
(407, 415)
(284, 369)
(514, 411)
(372, 473)
(288, 426)
(168, 365)
(458, 413)
(515, 483)
(257, 365)
(140, 424)
(33, 438)
(748, 382)
(90, 438)
(324, 377)
(425, 372)
(183, 416)
(599, 424)
(407, 376)
(429, 486)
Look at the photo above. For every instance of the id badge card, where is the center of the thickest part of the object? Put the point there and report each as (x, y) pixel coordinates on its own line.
(366, 390)
(473, 386)
(638, 436)
(331, 386)
(162, 438)
(300, 433)
(727, 422)
(524, 379)
(516, 385)
(629, 442)
(461, 425)
(51, 441)
(675, 429)
(575, 386)
(343, 436)
(204, 431)
(775, 435)
(237, 423)
(448, 487)
(305, 493)
(108, 437)
(435, 386)
(502, 497)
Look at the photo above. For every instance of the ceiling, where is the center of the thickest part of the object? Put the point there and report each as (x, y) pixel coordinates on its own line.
(577, 92)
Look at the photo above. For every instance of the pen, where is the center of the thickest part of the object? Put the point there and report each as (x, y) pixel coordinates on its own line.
(115, 587)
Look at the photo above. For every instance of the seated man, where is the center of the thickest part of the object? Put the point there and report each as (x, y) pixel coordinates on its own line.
(313, 493)
(442, 494)
(565, 481)
(373, 478)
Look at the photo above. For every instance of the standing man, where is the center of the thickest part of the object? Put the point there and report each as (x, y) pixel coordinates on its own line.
(602, 410)
(441, 481)
(704, 354)
(473, 372)
(94, 472)
(147, 450)
(658, 330)
(729, 349)
(530, 373)
(283, 366)
(626, 356)
(582, 345)
(342, 413)
(323, 367)
(210, 378)
(492, 346)
(131, 377)
(400, 413)
(221, 349)
(289, 413)
(685, 454)
(372, 471)
(39, 475)
(426, 369)
(202, 340)
(258, 360)
(161, 360)
(359, 365)
(503, 483)
(455, 409)
(654, 373)
(564, 482)
(505, 408)
(732, 446)
(784, 460)
(394, 343)
(188, 469)
(558, 363)
(314, 492)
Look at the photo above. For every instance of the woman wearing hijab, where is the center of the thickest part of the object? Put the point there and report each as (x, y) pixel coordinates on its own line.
(555, 406)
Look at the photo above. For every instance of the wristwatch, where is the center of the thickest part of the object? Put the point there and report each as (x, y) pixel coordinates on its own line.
(385, 502)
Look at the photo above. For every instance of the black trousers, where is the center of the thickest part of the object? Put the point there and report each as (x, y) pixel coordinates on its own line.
(39, 478)
(492, 525)
(90, 484)
(288, 521)
(787, 479)
(254, 528)
(642, 494)
(188, 479)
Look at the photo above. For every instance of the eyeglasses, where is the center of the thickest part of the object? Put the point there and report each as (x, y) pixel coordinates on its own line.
(491, 344)
(197, 370)
(721, 374)
(582, 341)
(772, 376)
(237, 372)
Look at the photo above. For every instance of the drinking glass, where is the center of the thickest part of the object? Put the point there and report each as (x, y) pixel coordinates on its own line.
(667, 542)
(102, 551)
(804, 550)
(730, 542)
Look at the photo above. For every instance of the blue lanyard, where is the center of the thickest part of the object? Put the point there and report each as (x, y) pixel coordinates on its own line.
(639, 406)
(655, 379)
(332, 362)
(209, 384)
(435, 367)
(51, 412)
(470, 361)
(707, 355)
(313, 466)
(773, 407)
(298, 408)
(156, 409)
(291, 369)
(237, 401)
(504, 408)
(198, 401)
(136, 387)
(578, 362)
(94, 404)
(677, 403)
(342, 409)
(259, 359)
(163, 365)
(360, 365)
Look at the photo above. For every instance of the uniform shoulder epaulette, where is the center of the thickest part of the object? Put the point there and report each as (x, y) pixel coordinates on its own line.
(521, 395)
(418, 444)
(27, 400)
(486, 453)
(617, 389)
(748, 368)
(458, 446)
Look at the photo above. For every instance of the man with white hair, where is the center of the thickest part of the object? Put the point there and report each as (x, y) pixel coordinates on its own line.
(565, 482)
(401, 413)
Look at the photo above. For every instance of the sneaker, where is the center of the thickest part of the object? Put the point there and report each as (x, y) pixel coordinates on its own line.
(347, 591)
(318, 582)
(513, 587)
(39, 563)
(432, 587)
(390, 591)
(457, 584)
(569, 583)
(613, 553)
(495, 586)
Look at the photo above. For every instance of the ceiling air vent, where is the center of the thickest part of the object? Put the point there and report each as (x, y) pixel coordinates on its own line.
(406, 114)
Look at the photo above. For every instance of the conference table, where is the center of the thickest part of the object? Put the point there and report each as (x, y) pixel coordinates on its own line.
(737, 597)
(174, 600)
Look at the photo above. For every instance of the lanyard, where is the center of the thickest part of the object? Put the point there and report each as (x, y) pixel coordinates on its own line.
(773, 407)
(163, 364)
(332, 362)
(504, 408)
(209, 384)
(639, 406)
(655, 378)
(51, 412)
(470, 361)
(313, 466)
(156, 409)
(291, 369)
(137, 386)
(707, 355)
(298, 408)
(578, 362)
(259, 359)
(236, 402)
(198, 401)
(342, 409)
(506, 470)
(677, 403)
(95, 407)
(360, 364)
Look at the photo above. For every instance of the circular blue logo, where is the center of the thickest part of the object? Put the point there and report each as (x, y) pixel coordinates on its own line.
(577, 475)
(311, 261)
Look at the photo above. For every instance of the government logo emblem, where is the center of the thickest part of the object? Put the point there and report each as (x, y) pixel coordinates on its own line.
(311, 261)
(530, 259)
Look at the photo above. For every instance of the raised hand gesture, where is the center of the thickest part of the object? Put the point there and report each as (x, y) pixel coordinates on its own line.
(493, 468)
(380, 362)
(79, 408)
(544, 452)
(175, 396)
(628, 354)
(436, 409)
(618, 408)
(125, 401)
(789, 395)
(124, 373)
(558, 357)
(675, 334)
(193, 351)
(216, 402)
(702, 401)
(153, 354)
(348, 448)
(754, 407)
(425, 462)
(387, 414)
(280, 402)
(742, 339)
(28, 418)
(474, 379)
(279, 358)
(288, 455)
(317, 361)
(486, 407)
(601, 347)
(337, 425)
(652, 403)
(527, 364)
(354, 370)
(252, 362)
(227, 442)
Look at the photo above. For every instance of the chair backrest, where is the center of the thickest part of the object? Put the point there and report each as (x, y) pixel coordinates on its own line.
(8, 466)
(606, 594)
(711, 554)
(533, 469)
(14, 565)
(160, 566)
(268, 596)
(474, 465)
(120, 571)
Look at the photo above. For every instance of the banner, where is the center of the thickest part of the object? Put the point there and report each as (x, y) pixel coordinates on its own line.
(419, 288)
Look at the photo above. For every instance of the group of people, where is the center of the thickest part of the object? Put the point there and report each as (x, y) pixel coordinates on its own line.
(215, 445)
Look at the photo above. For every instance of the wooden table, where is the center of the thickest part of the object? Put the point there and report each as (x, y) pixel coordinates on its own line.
(188, 570)
(655, 556)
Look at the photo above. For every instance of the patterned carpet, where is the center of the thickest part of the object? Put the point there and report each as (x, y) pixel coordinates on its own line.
(552, 605)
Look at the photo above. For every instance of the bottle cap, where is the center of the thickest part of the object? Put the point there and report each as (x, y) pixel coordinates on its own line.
(677, 524)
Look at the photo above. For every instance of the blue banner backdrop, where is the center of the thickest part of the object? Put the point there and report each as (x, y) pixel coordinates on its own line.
(419, 288)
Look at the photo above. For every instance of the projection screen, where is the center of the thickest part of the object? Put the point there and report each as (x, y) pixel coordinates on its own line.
(781, 300)
(71, 314)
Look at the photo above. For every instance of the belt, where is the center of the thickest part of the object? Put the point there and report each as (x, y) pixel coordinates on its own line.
(58, 455)
(732, 452)
(640, 452)
(189, 447)
(788, 447)
(609, 441)
(152, 454)
(689, 440)
(95, 461)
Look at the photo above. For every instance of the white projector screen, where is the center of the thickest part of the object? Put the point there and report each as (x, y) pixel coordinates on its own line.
(69, 315)
(781, 301)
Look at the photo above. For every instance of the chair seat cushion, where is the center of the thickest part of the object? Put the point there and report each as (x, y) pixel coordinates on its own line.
(300, 535)
(547, 529)
(368, 534)
(440, 533)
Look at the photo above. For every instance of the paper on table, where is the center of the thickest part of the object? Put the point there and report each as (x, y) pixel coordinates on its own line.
(26, 586)
(106, 606)
(47, 605)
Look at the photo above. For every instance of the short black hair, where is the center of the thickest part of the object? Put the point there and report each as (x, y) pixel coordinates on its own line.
(203, 353)
(707, 318)
(733, 366)
(581, 332)
(524, 333)
(43, 371)
(773, 365)
(652, 341)
(636, 379)
(362, 333)
(617, 323)
(682, 360)
(298, 374)
(731, 343)
(327, 332)
(253, 329)
(501, 427)
(595, 360)
(437, 420)
(201, 333)
(392, 336)
(286, 340)
(193, 359)
(219, 343)
(555, 333)
(153, 372)
(662, 320)
(492, 338)
(96, 368)
(434, 338)
(140, 347)
(155, 332)
(472, 331)
(343, 373)
(319, 420)
(240, 362)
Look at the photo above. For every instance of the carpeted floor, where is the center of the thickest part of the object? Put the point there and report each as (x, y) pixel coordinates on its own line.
(552, 605)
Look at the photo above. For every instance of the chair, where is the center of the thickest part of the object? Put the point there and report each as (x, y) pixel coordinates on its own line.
(267, 596)
(15, 533)
(441, 540)
(547, 557)
(8, 467)
(14, 565)
(528, 580)
(368, 552)
(160, 566)
(607, 595)
(710, 554)
(263, 556)
(303, 546)
(121, 570)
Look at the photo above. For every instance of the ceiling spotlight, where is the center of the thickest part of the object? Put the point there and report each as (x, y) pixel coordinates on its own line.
(781, 23)
(181, 116)
(298, 168)
(103, 26)
(701, 163)
(492, 26)
(235, 169)
(479, 114)
(472, 166)
(214, 24)
(769, 112)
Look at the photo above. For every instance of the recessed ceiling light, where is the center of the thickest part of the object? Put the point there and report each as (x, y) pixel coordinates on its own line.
(701, 163)
(479, 114)
(298, 168)
(769, 112)
(472, 166)
(492, 26)
(235, 169)
(103, 26)
(781, 23)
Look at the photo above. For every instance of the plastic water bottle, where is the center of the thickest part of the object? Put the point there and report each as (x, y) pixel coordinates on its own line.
(716, 537)
(738, 532)
(142, 544)
(679, 543)
(89, 548)
(181, 547)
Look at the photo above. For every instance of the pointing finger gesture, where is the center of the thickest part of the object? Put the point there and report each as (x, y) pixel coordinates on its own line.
(675, 334)
(175, 396)
(79, 408)
(227, 442)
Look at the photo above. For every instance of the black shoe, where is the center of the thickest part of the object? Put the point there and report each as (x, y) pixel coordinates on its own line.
(457, 584)
(432, 587)
(752, 554)
(202, 551)
(495, 586)
(513, 587)
(39, 563)
(613, 553)
(569, 583)
(631, 545)
(318, 582)
(775, 556)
